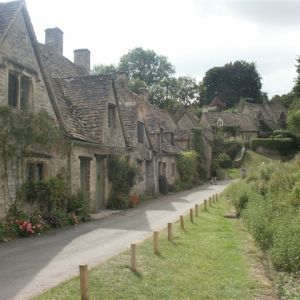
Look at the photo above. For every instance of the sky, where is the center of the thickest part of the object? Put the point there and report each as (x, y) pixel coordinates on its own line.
(195, 35)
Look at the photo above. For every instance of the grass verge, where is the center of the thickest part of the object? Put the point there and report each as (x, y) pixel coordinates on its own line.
(207, 261)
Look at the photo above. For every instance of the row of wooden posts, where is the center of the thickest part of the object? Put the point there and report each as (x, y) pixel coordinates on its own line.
(83, 269)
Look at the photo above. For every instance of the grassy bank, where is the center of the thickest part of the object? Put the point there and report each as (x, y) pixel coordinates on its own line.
(213, 259)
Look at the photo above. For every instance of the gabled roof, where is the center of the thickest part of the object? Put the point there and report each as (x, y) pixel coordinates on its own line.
(179, 113)
(243, 121)
(83, 104)
(8, 13)
(129, 106)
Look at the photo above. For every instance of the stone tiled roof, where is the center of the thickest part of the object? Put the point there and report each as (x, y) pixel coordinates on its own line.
(8, 12)
(256, 109)
(243, 121)
(181, 110)
(58, 66)
(83, 104)
(129, 105)
(181, 134)
(275, 109)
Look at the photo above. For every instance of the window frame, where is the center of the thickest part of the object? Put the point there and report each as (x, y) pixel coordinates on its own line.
(111, 115)
(140, 132)
(16, 97)
(35, 171)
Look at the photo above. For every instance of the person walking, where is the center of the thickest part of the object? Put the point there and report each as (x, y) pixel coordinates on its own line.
(213, 177)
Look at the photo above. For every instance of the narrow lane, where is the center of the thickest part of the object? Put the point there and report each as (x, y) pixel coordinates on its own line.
(30, 266)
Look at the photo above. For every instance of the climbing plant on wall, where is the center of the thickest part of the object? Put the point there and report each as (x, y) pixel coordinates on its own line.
(22, 131)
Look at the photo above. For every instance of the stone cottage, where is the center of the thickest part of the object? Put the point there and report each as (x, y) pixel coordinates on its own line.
(23, 84)
(230, 124)
(99, 115)
(268, 116)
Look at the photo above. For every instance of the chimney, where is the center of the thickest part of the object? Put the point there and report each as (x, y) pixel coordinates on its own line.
(143, 91)
(54, 39)
(82, 58)
(122, 79)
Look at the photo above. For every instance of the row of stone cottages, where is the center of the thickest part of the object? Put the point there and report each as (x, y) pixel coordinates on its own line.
(99, 114)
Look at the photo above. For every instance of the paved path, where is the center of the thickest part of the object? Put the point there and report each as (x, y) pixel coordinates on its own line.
(30, 266)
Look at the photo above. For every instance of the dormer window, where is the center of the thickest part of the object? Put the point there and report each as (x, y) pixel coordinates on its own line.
(19, 90)
(111, 115)
(140, 132)
(220, 122)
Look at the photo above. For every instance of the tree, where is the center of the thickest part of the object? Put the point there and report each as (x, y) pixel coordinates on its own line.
(146, 65)
(187, 90)
(296, 89)
(232, 82)
(293, 121)
(104, 69)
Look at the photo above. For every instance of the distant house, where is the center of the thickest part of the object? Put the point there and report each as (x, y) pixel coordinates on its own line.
(230, 124)
(268, 116)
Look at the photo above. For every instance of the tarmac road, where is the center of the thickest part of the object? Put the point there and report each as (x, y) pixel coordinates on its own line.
(33, 265)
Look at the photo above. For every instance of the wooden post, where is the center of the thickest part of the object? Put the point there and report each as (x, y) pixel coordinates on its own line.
(216, 197)
(213, 198)
(84, 287)
(191, 215)
(205, 204)
(133, 257)
(182, 222)
(209, 201)
(170, 237)
(155, 242)
(196, 210)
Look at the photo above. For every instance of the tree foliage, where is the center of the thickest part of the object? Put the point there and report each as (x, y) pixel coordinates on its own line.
(232, 82)
(146, 65)
(296, 89)
(293, 121)
(104, 69)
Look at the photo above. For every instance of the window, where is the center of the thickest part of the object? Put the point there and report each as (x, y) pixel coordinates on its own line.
(140, 129)
(170, 137)
(19, 90)
(248, 137)
(220, 122)
(159, 169)
(111, 115)
(35, 172)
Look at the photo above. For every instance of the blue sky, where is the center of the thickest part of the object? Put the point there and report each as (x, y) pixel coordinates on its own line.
(195, 35)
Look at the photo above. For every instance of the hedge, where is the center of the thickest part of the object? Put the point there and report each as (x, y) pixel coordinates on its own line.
(283, 146)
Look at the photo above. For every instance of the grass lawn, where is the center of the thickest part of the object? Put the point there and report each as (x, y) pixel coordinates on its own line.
(215, 258)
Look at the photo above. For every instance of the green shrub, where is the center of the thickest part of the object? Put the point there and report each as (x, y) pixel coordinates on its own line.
(240, 193)
(285, 253)
(122, 176)
(258, 220)
(187, 165)
(284, 146)
(232, 148)
(225, 161)
(269, 204)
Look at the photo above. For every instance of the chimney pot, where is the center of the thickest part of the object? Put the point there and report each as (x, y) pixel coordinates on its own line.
(54, 39)
(82, 58)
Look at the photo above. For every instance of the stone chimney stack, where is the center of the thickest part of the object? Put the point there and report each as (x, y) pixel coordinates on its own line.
(122, 79)
(82, 58)
(54, 39)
